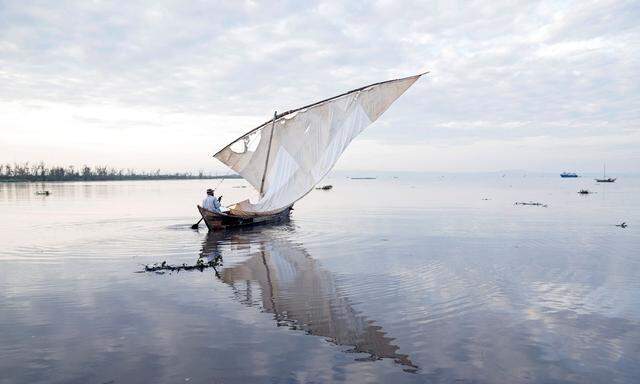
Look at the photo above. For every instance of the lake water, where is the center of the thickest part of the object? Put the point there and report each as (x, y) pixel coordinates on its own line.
(420, 278)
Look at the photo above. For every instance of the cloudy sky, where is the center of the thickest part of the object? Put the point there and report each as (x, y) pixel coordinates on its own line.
(546, 86)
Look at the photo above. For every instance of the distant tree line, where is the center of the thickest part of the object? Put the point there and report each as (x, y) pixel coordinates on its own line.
(42, 172)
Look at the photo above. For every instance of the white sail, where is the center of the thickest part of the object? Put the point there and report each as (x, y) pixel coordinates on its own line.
(286, 159)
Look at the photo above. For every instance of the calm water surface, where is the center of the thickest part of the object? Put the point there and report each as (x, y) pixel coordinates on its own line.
(409, 279)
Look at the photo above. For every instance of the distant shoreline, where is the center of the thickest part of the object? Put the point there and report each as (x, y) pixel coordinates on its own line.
(40, 172)
(115, 178)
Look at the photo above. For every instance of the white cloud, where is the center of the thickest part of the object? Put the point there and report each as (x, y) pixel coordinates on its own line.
(167, 71)
(541, 153)
(99, 134)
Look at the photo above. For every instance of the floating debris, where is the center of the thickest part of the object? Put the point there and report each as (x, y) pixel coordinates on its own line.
(200, 265)
(622, 225)
(43, 193)
(531, 203)
(325, 187)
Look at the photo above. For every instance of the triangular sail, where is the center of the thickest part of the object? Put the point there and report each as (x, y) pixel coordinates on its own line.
(286, 159)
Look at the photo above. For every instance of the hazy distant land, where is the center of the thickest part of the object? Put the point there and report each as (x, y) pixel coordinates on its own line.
(27, 172)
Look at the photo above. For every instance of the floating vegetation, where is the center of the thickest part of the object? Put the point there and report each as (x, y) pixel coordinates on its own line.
(531, 203)
(200, 265)
(325, 187)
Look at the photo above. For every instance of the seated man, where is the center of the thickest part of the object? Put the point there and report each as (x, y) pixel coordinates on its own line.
(210, 203)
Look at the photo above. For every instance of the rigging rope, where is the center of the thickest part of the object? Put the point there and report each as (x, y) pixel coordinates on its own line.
(221, 180)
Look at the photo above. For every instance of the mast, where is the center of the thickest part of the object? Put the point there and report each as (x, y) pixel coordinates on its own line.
(266, 162)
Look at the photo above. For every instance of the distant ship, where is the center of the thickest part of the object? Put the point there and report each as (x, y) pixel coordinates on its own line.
(568, 174)
(605, 179)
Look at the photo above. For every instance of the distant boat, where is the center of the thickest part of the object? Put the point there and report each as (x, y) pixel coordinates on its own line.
(605, 179)
(568, 174)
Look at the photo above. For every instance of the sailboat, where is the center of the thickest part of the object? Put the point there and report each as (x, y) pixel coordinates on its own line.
(605, 179)
(285, 157)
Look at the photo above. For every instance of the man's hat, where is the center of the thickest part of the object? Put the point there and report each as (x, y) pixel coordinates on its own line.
(210, 190)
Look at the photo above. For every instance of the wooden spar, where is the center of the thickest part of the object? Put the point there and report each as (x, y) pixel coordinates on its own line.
(266, 162)
(276, 116)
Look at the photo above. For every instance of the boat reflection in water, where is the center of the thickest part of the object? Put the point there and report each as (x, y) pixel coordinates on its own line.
(296, 290)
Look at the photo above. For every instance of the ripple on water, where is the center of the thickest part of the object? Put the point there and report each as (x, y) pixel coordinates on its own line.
(457, 293)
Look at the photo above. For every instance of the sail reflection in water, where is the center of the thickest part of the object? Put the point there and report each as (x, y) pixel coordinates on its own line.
(297, 291)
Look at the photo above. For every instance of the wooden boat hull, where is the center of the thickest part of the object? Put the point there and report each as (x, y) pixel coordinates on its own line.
(217, 221)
